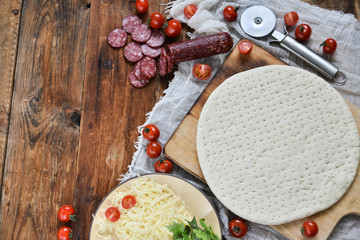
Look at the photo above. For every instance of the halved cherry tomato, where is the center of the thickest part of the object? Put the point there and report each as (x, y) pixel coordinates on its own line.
(173, 28)
(157, 20)
(237, 228)
(202, 71)
(163, 166)
(303, 32)
(142, 6)
(291, 18)
(190, 10)
(112, 214)
(230, 13)
(245, 46)
(66, 213)
(309, 229)
(151, 132)
(153, 149)
(128, 201)
(64, 233)
(329, 45)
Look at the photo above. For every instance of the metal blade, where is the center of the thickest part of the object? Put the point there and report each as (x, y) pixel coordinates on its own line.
(258, 21)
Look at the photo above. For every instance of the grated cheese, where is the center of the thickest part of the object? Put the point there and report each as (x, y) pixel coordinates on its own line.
(157, 206)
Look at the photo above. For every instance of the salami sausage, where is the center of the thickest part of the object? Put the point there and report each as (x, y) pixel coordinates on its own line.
(141, 33)
(201, 47)
(149, 51)
(137, 71)
(131, 22)
(162, 65)
(148, 67)
(133, 52)
(136, 82)
(169, 61)
(157, 39)
(117, 38)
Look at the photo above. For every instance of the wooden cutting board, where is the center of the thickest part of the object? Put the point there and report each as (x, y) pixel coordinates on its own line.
(181, 147)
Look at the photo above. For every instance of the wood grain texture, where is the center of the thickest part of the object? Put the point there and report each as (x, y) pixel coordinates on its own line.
(181, 147)
(9, 29)
(42, 147)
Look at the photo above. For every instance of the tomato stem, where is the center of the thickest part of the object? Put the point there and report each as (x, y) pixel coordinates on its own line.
(301, 28)
(73, 217)
(236, 229)
(324, 44)
(70, 234)
(237, 8)
(302, 229)
(146, 130)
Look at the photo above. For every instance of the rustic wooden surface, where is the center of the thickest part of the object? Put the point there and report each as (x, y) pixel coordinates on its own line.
(181, 147)
(56, 65)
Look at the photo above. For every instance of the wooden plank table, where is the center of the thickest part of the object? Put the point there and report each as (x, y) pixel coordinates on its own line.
(68, 116)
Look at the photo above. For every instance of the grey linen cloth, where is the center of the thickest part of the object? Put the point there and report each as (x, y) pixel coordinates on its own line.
(184, 89)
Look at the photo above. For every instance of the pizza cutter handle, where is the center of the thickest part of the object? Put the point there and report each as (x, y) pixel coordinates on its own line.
(328, 69)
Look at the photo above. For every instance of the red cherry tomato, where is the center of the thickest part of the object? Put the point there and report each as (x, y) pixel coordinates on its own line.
(309, 229)
(291, 18)
(163, 166)
(157, 20)
(230, 13)
(245, 46)
(153, 149)
(329, 45)
(173, 28)
(64, 233)
(237, 228)
(303, 32)
(142, 6)
(66, 213)
(202, 71)
(128, 201)
(151, 132)
(190, 10)
(112, 214)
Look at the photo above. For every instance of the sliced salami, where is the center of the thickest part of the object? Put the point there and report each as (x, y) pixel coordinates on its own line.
(136, 82)
(131, 22)
(137, 71)
(141, 33)
(149, 51)
(169, 61)
(133, 52)
(117, 38)
(162, 65)
(157, 39)
(148, 67)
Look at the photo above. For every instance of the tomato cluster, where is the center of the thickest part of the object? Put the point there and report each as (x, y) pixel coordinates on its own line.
(66, 213)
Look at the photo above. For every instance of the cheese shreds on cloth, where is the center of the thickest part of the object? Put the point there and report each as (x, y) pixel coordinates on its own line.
(184, 89)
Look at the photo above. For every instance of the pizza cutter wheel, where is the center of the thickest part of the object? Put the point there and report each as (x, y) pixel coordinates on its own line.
(259, 21)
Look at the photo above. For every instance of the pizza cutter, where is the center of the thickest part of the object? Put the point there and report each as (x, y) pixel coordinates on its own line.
(259, 21)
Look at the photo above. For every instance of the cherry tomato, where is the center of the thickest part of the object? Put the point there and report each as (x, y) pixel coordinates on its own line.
(153, 149)
(329, 45)
(230, 13)
(237, 228)
(64, 233)
(66, 213)
(190, 10)
(173, 28)
(112, 214)
(163, 166)
(291, 18)
(151, 132)
(142, 6)
(245, 46)
(157, 20)
(309, 229)
(303, 32)
(128, 201)
(202, 71)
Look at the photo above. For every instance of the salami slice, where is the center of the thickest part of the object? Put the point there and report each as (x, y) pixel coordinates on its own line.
(137, 71)
(133, 52)
(169, 61)
(141, 33)
(162, 65)
(117, 38)
(149, 51)
(136, 82)
(148, 67)
(157, 39)
(131, 22)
